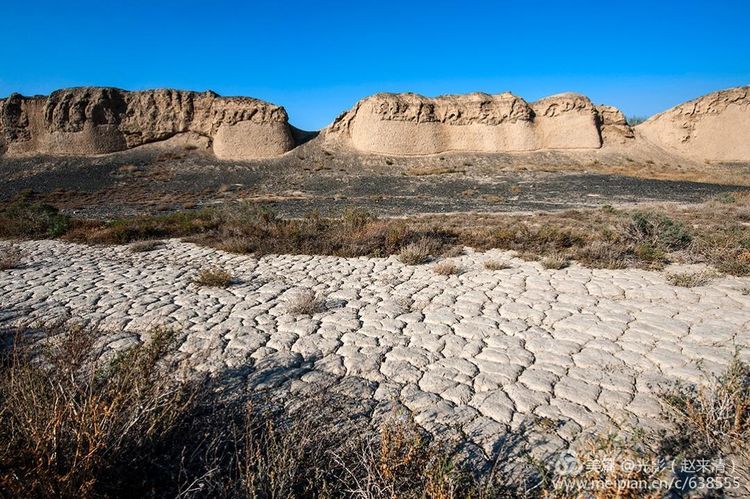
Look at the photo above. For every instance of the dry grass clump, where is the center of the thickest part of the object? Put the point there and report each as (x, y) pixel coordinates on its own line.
(453, 251)
(305, 302)
(555, 262)
(446, 268)
(403, 462)
(496, 265)
(356, 218)
(714, 418)
(656, 230)
(146, 246)
(689, 279)
(74, 423)
(214, 277)
(607, 466)
(418, 252)
(602, 254)
(72, 426)
(10, 257)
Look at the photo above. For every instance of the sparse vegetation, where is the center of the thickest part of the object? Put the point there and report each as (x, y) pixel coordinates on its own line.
(446, 268)
(29, 219)
(603, 254)
(713, 418)
(715, 233)
(617, 452)
(305, 302)
(417, 253)
(145, 246)
(706, 421)
(689, 279)
(636, 120)
(76, 425)
(496, 265)
(214, 277)
(356, 218)
(453, 251)
(10, 256)
(658, 231)
(555, 262)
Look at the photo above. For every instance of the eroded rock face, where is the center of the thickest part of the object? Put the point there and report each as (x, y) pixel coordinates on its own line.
(405, 124)
(613, 125)
(92, 120)
(715, 127)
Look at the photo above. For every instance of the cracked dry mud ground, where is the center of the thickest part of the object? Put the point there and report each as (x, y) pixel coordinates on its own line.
(482, 353)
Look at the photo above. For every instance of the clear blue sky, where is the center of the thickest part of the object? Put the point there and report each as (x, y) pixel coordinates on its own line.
(318, 57)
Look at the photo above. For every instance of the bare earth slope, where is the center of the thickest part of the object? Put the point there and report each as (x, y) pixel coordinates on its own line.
(715, 127)
(92, 120)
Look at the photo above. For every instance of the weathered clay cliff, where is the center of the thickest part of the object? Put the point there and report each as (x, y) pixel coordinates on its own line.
(412, 124)
(715, 127)
(93, 120)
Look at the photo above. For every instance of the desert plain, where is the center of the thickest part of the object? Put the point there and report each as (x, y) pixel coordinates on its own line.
(490, 294)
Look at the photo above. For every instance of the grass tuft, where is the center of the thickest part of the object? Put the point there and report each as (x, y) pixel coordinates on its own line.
(713, 418)
(146, 246)
(446, 268)
(10, 257)
(72, 426)
(496, 265)
(214, 277)
(418, 252)
(658, 231)
(305, 302)
(555, 262)
(689, 279)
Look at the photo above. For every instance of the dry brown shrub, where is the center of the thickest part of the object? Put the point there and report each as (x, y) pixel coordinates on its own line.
(10, 256)
(446, 268)
(214, 277)
(305, 302)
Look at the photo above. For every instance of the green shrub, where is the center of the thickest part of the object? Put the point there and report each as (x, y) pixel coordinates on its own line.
(636, 120)
(25, 219)
(648, 253)
(659, 231)
(356, 218)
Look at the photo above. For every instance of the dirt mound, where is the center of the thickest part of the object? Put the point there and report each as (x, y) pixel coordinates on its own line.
(93, 120)
(410, 124)
(715, 127)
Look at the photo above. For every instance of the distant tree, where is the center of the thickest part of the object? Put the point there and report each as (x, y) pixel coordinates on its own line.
(636, 120)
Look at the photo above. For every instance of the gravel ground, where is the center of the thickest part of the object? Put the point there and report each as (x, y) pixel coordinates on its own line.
(150, 181)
